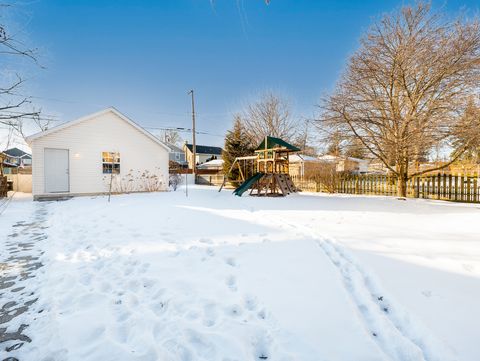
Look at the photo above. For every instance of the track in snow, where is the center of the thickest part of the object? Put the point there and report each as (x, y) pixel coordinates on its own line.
(390, 326)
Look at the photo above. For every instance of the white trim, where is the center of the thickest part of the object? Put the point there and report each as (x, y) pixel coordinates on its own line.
(32, 137)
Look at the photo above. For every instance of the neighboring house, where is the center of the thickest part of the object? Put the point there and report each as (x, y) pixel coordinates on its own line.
(210, 172)
(204, 153)
(376, 166)
(15, 157)
(176, 155)
(17, 167)
(347, 164)
(302, 165)
(82, 156)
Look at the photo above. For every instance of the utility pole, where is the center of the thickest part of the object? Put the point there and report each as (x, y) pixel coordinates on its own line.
(194, 145)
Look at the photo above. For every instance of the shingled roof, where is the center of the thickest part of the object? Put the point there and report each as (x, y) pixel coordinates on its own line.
(205, 149)
(273, 142)
(17, 153)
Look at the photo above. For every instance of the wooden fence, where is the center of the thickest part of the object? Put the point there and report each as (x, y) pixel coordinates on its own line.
(458, 188)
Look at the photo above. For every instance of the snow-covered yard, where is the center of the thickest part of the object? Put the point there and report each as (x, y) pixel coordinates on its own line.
(217, 277)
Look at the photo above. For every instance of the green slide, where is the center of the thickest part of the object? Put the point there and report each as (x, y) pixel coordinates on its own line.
(247, 184)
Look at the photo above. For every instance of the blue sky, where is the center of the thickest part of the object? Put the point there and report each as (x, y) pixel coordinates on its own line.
(143, 56)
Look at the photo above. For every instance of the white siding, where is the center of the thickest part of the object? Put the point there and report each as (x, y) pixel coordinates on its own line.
(87, 140)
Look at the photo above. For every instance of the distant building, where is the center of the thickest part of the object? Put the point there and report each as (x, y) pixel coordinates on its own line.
(216, 164)
(347, 164)
(17, 168)
(176, 155)
(210, 173)
(204, 153)
(15, 157)
(301, 165)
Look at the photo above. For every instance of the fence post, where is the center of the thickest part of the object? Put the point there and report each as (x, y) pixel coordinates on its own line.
(455, 187)
(475, 180)
(424, 187)
(439, 185)
(444, 189)
(416, 185)
(450, 180)
(462, 188)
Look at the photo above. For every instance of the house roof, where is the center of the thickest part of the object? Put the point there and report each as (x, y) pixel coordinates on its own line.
(88, 117)
(205, 149)
(273, 142)
(174, 148)
(333, 158)
(295, 158)
(17, 153)
(215, 163)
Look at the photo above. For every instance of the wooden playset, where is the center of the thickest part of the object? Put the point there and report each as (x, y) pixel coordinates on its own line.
(266, 172)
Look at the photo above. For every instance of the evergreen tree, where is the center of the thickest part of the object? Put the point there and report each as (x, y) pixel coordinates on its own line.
(237, 144)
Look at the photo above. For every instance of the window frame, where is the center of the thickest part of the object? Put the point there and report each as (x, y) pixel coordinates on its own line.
(111, 162)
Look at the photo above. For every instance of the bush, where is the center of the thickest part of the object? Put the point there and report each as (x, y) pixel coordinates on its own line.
(174, 180)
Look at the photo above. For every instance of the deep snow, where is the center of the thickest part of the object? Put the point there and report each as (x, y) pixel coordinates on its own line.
(217, 277)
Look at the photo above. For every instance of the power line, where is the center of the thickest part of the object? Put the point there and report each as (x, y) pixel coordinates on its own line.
(184, 130)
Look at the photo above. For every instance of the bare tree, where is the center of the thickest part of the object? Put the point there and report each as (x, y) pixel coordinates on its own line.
(405, 90)
(15, 107)
(171, 136)
(270, 116)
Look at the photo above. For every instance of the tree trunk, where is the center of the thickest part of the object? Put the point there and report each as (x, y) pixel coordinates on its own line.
(402, 186)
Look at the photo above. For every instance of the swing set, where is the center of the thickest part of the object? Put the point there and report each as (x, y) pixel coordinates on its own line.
(266, 172)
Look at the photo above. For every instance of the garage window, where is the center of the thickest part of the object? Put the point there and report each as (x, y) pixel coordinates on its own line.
(111, 162)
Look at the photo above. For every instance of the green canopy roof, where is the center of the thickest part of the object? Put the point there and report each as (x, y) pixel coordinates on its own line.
(277, 143)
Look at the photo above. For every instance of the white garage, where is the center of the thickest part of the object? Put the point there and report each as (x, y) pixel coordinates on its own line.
(96, 153)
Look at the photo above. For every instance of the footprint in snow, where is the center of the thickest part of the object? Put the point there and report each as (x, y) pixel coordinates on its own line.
(177, 351)
(231, 282)
(210, 251)
(122, 316)
(159, 308)
(262, 314)
(148, 283)
(250, 303)
(261, 347)
(133, 285)
(210, 315)
(234, 311)
(200, 343)
(205, 240)
(231, 261)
